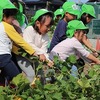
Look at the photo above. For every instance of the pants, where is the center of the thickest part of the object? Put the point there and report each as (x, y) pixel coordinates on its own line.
(15, 61)
(26, 67)
(7, 66)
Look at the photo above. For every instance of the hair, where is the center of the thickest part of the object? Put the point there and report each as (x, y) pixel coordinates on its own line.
(84, 30)
(42, 19)
(9, 12)
(15, 2)
(84, 16)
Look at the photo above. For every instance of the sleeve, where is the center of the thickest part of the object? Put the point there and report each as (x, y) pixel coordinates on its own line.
(45, 43)
(30, 38)
(79, 47)
(15, 37)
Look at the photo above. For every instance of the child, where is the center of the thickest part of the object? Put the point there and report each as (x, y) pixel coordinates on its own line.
(87, 14)
(70, 12)
(20, 16)
(36, 36)
(72, 45)
(8, 35)
(58, 14)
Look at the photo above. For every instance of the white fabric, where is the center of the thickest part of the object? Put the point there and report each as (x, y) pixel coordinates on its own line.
(68, 47)
(26, 67)
(5, 42)
(37, 41)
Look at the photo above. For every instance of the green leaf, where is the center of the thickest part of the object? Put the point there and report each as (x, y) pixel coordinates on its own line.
(71, 95)
(92, 73)
(83, 98)
(98, 66)
(24, 54)
(38, 97)
(73, 79)
(84, 83)
(57, 96)
(29, 98)
(1, 89)
(72, 59)
(19, 79)
(39, 67)
(2, 97)
(64, 69)
(60, 77)
(50, 87)
(56, 59)
(48, 97)
(10, 97)
(24, 96)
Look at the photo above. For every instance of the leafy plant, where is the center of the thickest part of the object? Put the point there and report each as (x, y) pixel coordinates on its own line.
(59, 84)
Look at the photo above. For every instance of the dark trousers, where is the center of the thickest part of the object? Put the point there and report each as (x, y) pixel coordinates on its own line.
(15, 61)
(7, 67)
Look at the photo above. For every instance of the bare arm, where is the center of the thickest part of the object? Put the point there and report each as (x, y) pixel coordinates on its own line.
(93, 58)
(87, 43)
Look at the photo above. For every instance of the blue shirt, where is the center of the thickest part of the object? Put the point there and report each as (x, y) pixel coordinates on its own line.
(59, 34)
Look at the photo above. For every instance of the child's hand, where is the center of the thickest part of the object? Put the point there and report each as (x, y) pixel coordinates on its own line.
(98, 62)
(95, 54)
(93, 49)
(50, 63)
(42, 57)
(34, 54)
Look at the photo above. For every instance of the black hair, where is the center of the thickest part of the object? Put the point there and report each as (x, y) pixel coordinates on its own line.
(9, 12)
(84, 30)
(15, 2)
(84, 16)
(42, 19)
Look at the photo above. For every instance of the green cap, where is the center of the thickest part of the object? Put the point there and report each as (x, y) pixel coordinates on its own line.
(1, 15)
(20, 7)
(73, 26)
(20, 16)
(71, 8)
(59, 12)
(5, 4)
(39, 13)
(89, 9)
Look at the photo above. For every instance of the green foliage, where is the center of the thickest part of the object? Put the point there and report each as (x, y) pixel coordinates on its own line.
(61, 86)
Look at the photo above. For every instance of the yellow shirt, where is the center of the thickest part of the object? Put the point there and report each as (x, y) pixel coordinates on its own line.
(16, 38)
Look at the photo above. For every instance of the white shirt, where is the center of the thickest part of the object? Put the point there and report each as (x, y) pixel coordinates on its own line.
(68, 47)
(8, 35)
(5, 41)
(37, 41)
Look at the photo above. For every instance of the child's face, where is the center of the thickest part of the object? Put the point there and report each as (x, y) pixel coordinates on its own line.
(45, 27)
(69, 17)
(80, 35)
(88, 20)
(9, 19)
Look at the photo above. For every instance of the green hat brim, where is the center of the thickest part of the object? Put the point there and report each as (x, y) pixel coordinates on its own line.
(89, 9)
(75, 25)
(35, 17)
(5, 5)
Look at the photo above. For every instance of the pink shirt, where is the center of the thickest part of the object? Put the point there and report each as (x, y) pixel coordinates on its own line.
(68, 47)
